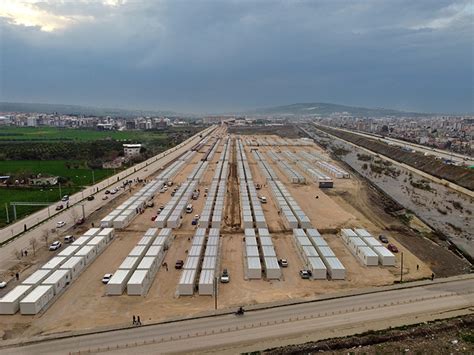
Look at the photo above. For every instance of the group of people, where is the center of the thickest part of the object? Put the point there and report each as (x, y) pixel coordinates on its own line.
(136, 320)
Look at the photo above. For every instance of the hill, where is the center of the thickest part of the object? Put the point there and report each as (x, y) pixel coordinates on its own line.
(79, 110)
(325, 109)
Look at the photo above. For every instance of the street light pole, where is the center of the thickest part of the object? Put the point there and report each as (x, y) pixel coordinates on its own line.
(215, 293)
(401, 270)
(60, 194)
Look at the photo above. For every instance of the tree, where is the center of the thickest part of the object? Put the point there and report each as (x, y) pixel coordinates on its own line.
(33, 243)
(45, 237)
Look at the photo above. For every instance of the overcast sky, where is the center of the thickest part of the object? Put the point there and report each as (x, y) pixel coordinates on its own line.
(211, 56)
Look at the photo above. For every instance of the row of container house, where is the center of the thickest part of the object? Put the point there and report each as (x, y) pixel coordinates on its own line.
(292, 174)
(366, 248)
(333, 170)
(46, 284)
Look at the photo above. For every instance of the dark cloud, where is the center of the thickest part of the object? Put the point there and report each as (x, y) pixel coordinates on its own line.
(230, 55)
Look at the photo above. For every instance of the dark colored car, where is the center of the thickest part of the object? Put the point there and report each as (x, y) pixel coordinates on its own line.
(383, 238)
(392, 248)
(179, 264)
(80, 221)
(59, 207)
(90, 198)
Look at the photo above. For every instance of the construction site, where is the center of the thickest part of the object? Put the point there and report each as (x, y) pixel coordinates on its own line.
(236, 220)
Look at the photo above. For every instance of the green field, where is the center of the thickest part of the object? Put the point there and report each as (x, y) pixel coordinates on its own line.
(80, 176)
(66, 134)
(8, 195)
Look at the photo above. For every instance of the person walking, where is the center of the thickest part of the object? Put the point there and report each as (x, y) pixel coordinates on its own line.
(134, 321)
(138, 320)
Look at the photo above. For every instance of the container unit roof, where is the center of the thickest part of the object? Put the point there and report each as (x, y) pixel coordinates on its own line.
(54, 263)
(151, 232)
(154, 250)
(251, 251)
(36, 293)
(299, 232)
(316, 263)
(348, 233)
(138, 276)
(271, 263)
(196, 250)
(81, 240)
(119, 276)
(251, 241)
(15, 293)
(37, 276)
(326, 252)
(72, 262)
(372, 242)
(70, 250)
(381, 250)
(211, 250)
(147, 263)
(188, 277)
(138, 250)
(362, 233)
(191, 262)
(253, 263)
(266, 241)
(319, 241)
(268, 251)
(249, 232)
(198, 240)
(129, 263)
(207, 276)
(145, 240)
(92, 232)
(55, 277)
(96, 240)
(209, 262)
(367, 251)
(309, 251)
(334, 263)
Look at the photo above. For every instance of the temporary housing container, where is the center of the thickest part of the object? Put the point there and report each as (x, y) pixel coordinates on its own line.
(386, 258)
(268, 250)
(312, 233)
(35, 278)
(146, 240)
(148, 263)
(59, 279)
(157, 251)
(266, 241)
(272, 269)
(325, 252)
(88, 252)
(317, 267)
(108, 233)
(92, 232)
(211, 250)
(254, 269)
(367, 256)
(129, 263)
(54, 263)
(139, 282)
(69, 251)
(362, 233)
(10, 303)
(336, 270)
(139, 250)
(372, 242)
(99, 242)
(117, 283)
(191, 262)
(75, 265)
(37, 299)
(251, 241)
(81, 241)
(251, 251)
(318, 241)
(186, 282)
(209, 263)
(213, 240)
(347, 233)
(206, 282)
(355, 243)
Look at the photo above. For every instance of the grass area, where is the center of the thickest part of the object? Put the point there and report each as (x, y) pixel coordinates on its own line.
(78, 174)
(50, 194)
(67, 134)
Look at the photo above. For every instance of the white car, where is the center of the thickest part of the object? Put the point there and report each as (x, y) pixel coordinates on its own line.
(113, 191)
(60, 224)
(3, 284)
(55, 245)
(106, 278)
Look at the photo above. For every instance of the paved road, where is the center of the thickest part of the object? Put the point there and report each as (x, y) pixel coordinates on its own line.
(226, 331)
(77, 201)
(461, 158)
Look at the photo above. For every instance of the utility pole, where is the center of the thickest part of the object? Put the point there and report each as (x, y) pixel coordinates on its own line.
(60, 194)
(401, 270)
(6, 208)
(215, 293)
(83, 211)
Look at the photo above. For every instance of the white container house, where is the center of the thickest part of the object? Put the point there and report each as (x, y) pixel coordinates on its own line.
(367, 256)
(272, 269)
(336, 270)
(206, 282)
(88, 252)
(37, 299)
(186, 282)
(75, 265)
(10, 303)
(35, 278)
(118, 282)
(254, 269)
(59, 280)
(317, 267)
(386, 257)
(139, 283)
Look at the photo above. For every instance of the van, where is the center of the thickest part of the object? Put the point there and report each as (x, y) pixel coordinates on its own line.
(68, 239)
(189, 208)
(263, 199)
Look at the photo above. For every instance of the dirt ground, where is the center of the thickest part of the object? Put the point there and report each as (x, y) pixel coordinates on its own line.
(84, 304)
(439, 337)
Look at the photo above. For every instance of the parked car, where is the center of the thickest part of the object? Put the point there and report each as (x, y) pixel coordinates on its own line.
(305, 274)
(107, 192)
(113, 191)
(195, 195)
(283, 262)
(55, 245)
(189, 208)
(392, 248)
(69, 239)
(105, 197)
(3, 284)
(153, 218)
(60, 224)
(80, 221)
(90, 198)
(383, 238)
(258, 186)
(169, 183)
(225, 277)
(65, 198)
(262, 199)
(150, 204)
(106, 278)
(179, 264)
(59, 207)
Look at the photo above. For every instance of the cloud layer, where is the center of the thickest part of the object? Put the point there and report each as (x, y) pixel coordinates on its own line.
(232, 55)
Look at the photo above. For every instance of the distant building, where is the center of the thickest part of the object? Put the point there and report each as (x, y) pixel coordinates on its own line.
(114, 164)
(32, 122)
(131, 150)
(41, 181)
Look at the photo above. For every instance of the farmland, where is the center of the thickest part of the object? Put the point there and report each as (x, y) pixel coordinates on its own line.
(63, 134)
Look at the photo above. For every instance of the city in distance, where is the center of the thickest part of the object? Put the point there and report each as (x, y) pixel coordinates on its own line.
(236, 177)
